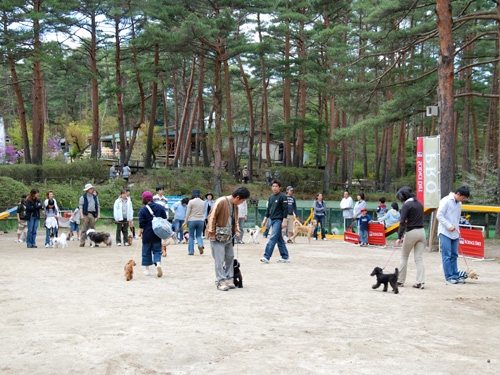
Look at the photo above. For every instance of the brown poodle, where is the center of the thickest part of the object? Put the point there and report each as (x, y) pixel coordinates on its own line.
(129, 239)
(129, 270)
(306, 229)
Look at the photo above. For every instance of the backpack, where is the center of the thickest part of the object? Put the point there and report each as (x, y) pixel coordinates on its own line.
(161, 227)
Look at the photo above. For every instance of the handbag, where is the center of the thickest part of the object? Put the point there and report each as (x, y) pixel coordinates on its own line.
(224, 234)
(161, 227)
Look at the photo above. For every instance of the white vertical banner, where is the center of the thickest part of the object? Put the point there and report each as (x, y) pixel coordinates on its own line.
(2, 141)
(428, 172)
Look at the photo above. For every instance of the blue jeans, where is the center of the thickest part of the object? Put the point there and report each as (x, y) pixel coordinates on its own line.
(179, 233)
(33, 224)
(276, 239)
(363, 236)
(195, 229)
(449, 253)
(321, 220)
(151, 253)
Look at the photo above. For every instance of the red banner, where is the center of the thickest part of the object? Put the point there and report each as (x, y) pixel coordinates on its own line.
(376, 234)
(351, 237)
(471, 243)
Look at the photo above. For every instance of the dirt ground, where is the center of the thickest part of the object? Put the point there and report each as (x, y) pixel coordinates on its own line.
(70, 311)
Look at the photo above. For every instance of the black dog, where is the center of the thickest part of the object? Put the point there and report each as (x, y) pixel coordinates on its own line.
(237, 276)
(388, 278)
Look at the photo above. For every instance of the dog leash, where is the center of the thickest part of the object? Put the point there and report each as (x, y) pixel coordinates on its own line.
(388, 260)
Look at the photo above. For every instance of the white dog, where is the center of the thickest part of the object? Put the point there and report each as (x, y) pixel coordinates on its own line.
(62, 240)
(254, 234)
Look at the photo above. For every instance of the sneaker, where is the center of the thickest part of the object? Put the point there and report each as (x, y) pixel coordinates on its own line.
(282, 260)
(118, 244)
(315, 239)
(401, 285)
(289, 241)
(452, 281)
(201, 248)
(47, 245)
(264, 260)
(460, 281)
(230, 285)
(78, 238)
(160, 272)
(222, 286)
(20, 241)
(418, 285)
(324, 239)
(135, 237)
(146, 273)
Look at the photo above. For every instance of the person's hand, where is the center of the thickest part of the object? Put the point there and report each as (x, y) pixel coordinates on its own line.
(398, 242)
(452, 229)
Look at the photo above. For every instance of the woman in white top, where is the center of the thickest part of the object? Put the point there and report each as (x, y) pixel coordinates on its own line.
(361, 203)
(195, 215)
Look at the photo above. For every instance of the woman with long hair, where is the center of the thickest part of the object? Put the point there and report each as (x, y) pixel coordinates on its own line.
(33, 207)
(319, 207)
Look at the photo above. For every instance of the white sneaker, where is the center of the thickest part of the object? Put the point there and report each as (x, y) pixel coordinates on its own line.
(146, 273)
(281, 260)
(264, 260)
(118, 244)
(125, 244)
(324, 239)
(47, 245)
(315, 239)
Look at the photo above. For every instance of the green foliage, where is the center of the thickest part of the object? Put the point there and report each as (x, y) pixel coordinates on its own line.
(11, 191)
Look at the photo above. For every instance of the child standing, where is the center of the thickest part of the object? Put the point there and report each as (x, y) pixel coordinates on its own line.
(22, 225)
(51, 226)
(364, 220)
(74, 224)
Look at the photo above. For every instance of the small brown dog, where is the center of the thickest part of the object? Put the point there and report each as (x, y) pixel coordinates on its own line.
(305, 229)
(129, 239)
(129, 270)
(471, 274)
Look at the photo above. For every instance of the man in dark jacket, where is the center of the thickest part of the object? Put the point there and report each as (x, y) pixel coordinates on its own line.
(277, 212)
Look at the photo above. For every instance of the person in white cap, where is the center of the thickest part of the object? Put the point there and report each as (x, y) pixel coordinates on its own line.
(292, 213)
(90, 211)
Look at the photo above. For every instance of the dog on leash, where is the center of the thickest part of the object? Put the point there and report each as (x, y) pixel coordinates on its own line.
(254, 234)
(60, 240)
(305, 229)
(129, 270)
(469, 273)
(97, 238)
(237, 276)
(386, 278)
(129, 239)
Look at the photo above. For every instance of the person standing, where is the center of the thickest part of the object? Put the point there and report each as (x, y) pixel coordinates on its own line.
(194, 218)
(74, 224)
(151, 243)
(123, 214)
(179, 211)
(361, 203)
(90, 211)
(246, 174)
(160, 199)
(50, 195)
(112, 171)
(292, 213)
(22, 225)
(364, 220)
(51, 225)
(411, 221)
(448, 216)
(126, 172)
(209, 203)
(276, 212)
(319, 207)
(223, 217)
(347, 207)
(242, 218)
(33, 207)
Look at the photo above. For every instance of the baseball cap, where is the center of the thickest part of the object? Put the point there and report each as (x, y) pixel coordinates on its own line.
(289, 188)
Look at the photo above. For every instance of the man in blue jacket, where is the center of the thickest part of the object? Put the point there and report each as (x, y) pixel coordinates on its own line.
(277, 212)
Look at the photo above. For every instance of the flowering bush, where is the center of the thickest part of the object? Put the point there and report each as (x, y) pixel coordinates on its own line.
(12, 156)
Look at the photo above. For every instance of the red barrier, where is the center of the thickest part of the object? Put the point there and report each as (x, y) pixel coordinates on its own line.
(376, 234)
(471, 243)
(351, 237)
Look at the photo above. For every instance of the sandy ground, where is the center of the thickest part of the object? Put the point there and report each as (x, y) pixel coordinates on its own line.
(70, 311)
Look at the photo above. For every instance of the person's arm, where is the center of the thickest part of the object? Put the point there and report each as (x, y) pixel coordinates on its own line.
(442, 216)
(402, 223)
(188, 210)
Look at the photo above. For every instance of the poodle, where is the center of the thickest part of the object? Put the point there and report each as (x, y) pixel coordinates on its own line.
(386, 278)
(129, 270)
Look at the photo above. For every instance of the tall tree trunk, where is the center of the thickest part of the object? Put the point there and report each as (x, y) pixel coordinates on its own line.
(217, 187)
(445, 94)
(154, 100)
(232, 168)
(94, 152)
(38, 112)
(286, 100)
(118, 83)
(298, 155)
(165, 118)
(264, 127)
(201, 114)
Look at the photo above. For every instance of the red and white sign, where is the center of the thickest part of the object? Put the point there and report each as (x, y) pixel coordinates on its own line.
(351, 237)
(471, 243)
(428, 178)
(376, 234)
